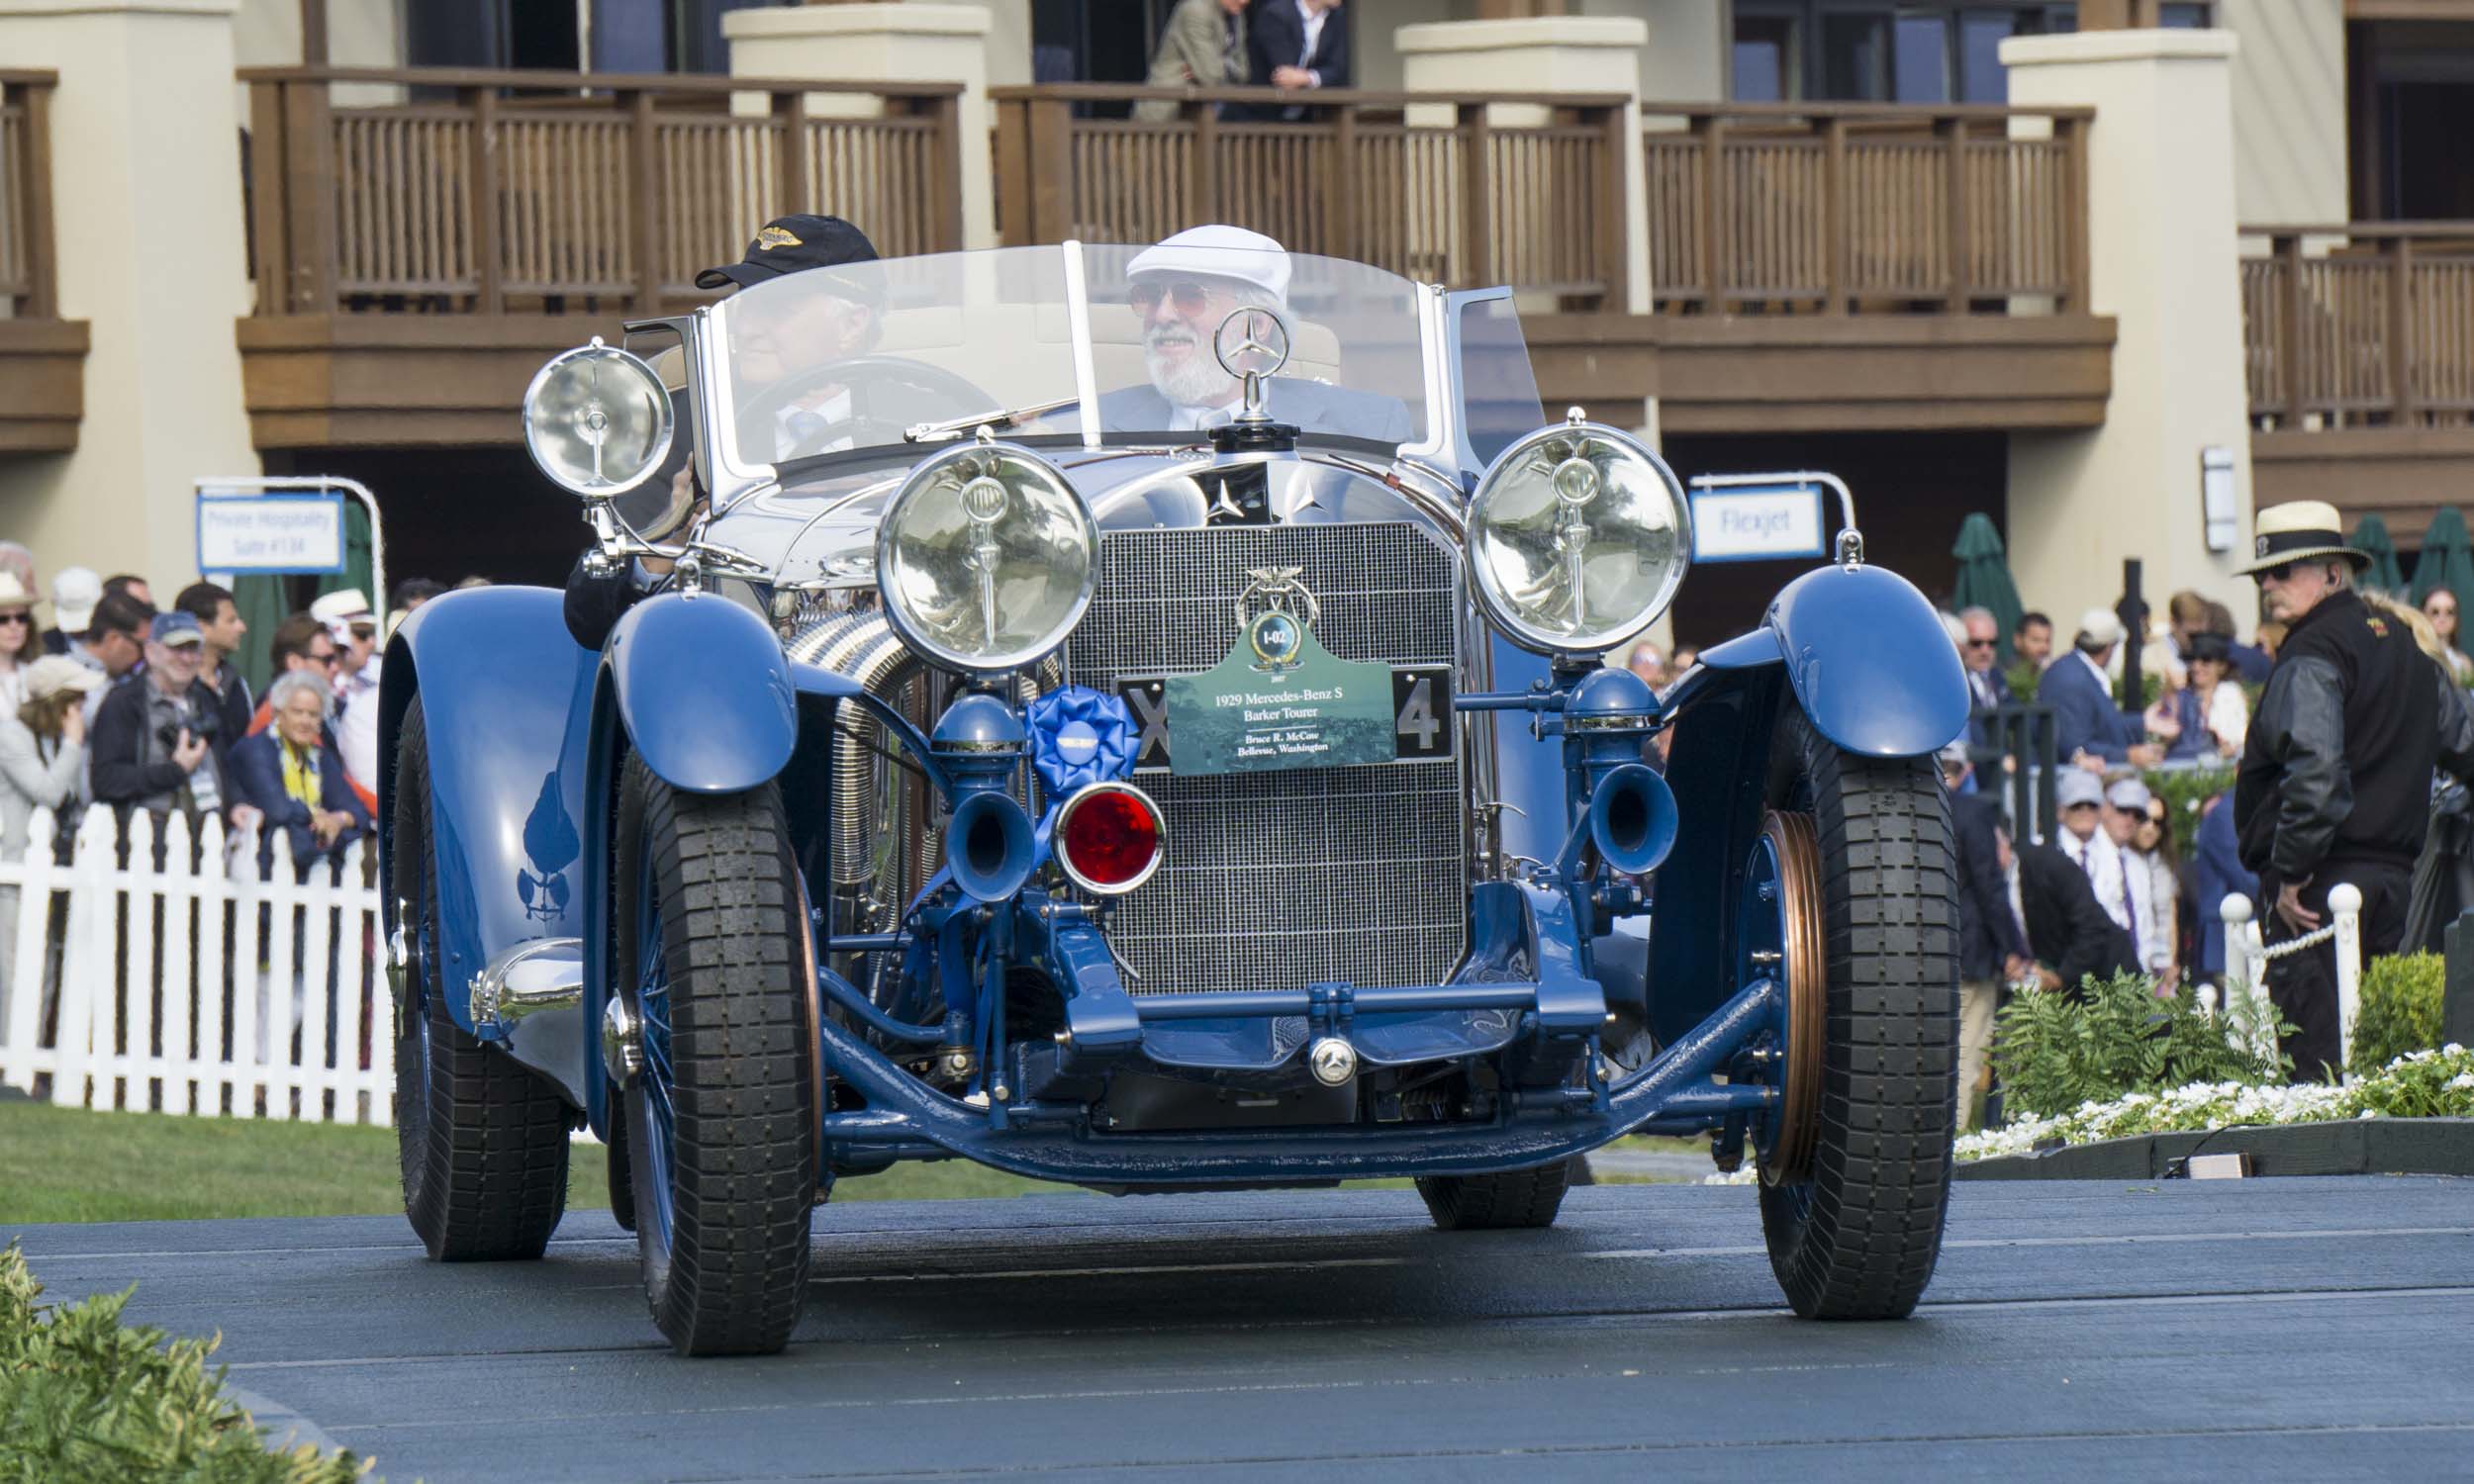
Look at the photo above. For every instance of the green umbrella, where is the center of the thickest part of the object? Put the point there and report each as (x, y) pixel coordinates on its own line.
(1984, 579)
(2447, 560)
(2371, 539)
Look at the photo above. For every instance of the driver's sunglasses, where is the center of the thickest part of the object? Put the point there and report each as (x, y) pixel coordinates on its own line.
(1191, 297)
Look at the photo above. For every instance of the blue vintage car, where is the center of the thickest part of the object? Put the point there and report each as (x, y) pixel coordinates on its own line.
(1136, 718)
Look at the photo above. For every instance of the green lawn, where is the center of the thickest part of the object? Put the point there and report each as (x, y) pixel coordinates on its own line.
(71, 1164)
(67, 1164)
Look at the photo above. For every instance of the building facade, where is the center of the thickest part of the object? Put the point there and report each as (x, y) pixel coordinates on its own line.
(2049, 261)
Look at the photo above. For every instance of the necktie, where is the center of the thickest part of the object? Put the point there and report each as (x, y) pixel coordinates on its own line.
(2130, 909)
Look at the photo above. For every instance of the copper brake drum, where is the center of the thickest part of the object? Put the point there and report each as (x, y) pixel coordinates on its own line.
(1806, 972)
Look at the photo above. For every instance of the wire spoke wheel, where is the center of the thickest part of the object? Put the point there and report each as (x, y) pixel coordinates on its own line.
(722, 1109)
(1856, 1179)
(1783, 940)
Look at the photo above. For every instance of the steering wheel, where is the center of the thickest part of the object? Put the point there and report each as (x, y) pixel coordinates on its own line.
(869, 377)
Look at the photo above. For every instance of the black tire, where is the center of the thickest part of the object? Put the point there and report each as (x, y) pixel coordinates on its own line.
(621, 1162)
(482, 1142)
(1497, 1202)
(1857, 1233)
(723, 1168)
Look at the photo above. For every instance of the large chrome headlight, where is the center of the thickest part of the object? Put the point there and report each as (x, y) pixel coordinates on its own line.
(985, 557)
(1577, 538)
(597, 419)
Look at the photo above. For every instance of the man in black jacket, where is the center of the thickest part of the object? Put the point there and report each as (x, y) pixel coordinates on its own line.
(1295, 45)
(2069, 934)
(2336, 778)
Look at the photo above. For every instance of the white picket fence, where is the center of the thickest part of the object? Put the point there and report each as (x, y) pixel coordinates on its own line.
(178, 995)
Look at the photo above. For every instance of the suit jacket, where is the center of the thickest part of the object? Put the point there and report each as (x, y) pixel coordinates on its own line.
(1195, 51)
(2085, 718)
(257, 775)
(2066, 929)
(1987, 934)
(1275, 38)
(1312, 405)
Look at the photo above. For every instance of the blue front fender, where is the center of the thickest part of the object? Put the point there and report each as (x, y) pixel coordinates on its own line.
(703, 692)
(502, 689)
(1868, 660)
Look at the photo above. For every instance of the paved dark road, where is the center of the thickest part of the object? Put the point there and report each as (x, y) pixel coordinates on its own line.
(2319, 1329)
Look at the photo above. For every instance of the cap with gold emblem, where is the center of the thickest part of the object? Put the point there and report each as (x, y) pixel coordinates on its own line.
(2297, 531)
(792, 244)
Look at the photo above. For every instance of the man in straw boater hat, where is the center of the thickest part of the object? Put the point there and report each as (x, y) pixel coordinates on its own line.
(2335, 776)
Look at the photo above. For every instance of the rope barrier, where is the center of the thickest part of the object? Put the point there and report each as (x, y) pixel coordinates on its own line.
(2314, 939)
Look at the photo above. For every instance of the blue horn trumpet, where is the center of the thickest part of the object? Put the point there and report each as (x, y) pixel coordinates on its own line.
(1632, 818)
(989, 851)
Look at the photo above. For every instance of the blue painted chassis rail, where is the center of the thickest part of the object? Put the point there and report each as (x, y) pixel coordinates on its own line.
(904, 1118)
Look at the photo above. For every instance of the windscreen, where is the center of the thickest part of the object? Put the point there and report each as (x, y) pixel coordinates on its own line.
(850, 357)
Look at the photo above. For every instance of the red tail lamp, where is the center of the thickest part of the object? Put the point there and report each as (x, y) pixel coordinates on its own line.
(1111, 838)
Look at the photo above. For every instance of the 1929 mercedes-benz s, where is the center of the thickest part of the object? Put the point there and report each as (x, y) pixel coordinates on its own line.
(1133, 717)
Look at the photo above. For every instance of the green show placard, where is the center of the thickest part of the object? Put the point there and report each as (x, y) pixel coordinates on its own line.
(1280, 700)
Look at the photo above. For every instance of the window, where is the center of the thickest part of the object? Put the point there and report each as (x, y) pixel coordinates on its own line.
(2182, 17)
(1767, 64)
(1923, 56)
(1856, 58)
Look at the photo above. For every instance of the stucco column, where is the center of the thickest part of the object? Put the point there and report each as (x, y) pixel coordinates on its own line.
(146, 183)
(2161, 261)
(1544, 55)
(880, 44)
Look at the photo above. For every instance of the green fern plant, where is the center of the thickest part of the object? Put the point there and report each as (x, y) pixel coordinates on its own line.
(2058, 1049)
(84, 1397)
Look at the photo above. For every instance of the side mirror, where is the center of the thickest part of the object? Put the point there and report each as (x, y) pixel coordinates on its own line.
(598, 420)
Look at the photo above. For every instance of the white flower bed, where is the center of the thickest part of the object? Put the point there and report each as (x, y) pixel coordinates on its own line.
(2417, 1084)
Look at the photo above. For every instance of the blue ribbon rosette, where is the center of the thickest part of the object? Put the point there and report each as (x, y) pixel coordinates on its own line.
(1080, 737)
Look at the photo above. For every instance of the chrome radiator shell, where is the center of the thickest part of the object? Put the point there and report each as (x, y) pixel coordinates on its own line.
(1278, 879)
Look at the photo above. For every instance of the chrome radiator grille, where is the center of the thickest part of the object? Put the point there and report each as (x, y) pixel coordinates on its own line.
(1274, 881)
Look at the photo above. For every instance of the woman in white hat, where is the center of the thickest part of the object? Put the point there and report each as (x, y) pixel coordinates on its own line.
(42, 758)
(20, 643)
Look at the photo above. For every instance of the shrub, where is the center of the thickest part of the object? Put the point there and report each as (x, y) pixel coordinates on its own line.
(2400, 1010)
(84, 1397)
(2055, 1049)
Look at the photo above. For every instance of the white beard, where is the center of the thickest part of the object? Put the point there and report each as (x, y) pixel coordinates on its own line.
(1198, 380)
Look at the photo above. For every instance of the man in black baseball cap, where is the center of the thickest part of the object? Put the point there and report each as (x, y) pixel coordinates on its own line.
(829, 317)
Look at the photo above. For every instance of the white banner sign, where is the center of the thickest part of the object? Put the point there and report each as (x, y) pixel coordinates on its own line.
(270, 533)
(1755, 525)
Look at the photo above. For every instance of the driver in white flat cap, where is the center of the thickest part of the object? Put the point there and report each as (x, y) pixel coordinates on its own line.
(1181, 290)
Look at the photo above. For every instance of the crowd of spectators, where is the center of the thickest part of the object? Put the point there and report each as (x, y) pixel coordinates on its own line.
(147, 709)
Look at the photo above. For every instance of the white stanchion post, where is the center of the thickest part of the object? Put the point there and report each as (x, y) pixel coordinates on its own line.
(2344, 903)
(2240, 970)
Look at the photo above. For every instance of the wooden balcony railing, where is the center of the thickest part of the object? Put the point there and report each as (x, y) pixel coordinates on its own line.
(28, 284)
(1853, 207)
(550, 192)
(1364, 176)
(2371, 324)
